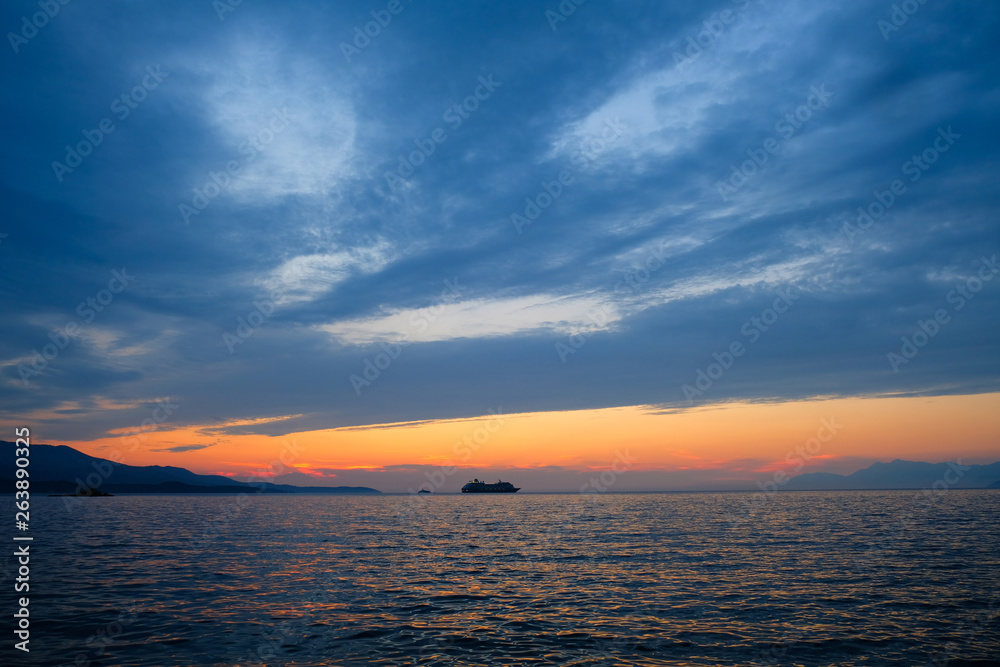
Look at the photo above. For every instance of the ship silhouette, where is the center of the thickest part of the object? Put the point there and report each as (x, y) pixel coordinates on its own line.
(476, 486)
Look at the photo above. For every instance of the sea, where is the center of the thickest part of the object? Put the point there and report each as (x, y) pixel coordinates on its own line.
(795, 578)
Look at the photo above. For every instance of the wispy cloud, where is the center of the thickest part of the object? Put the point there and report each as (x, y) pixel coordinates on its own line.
(639, 251)
(182, 448)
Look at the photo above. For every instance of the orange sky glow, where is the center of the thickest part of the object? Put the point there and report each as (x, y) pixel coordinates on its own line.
(737, 439)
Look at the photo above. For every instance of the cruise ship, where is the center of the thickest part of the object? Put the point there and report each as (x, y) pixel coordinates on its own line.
(476, 486)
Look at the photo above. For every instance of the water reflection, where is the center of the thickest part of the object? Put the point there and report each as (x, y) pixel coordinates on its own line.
(592, 579)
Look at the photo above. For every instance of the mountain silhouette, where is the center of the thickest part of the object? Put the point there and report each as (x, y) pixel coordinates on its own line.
(901, 474)
(61, 469)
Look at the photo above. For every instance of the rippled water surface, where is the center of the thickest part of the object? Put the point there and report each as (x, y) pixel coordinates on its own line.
(845, 578)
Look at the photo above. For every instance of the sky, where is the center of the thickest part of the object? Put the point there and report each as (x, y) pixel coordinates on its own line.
(668, 241)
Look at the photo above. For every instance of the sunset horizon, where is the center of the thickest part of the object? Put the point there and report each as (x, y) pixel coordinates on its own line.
(690, 449)
(459, 332)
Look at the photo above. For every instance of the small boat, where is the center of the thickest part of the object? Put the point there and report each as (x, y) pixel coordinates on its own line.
(476, 486)
(83, 493)
(423, 491)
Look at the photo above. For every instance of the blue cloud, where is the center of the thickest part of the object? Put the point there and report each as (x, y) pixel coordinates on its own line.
(634, 260)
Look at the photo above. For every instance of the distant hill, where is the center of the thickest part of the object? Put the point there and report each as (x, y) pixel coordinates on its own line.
(901, 474)
(61, 469)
